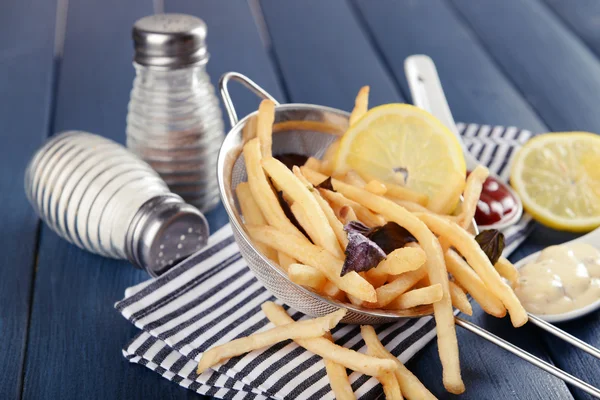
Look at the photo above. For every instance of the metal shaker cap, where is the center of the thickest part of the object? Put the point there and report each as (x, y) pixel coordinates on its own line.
(164, 231)
(169, 41)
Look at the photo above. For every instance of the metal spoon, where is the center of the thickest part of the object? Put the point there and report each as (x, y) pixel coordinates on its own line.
(427, 93)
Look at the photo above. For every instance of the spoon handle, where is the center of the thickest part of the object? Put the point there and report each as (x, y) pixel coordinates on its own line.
(538, 362)
(567, 337)
(428, 94)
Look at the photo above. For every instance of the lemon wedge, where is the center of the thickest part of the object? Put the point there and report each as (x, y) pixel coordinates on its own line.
(557, 176)
(402, 144)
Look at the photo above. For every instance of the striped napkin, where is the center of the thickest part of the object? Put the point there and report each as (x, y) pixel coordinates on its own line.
(212, 298)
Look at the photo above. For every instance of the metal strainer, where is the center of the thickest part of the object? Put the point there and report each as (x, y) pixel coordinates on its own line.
(303, 129)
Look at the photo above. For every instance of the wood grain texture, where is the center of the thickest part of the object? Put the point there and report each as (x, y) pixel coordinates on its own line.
(76, 336)
(324, 55)
(26, 83)
(477, 90)
(580, 16)
(548, 63)
(487, 369)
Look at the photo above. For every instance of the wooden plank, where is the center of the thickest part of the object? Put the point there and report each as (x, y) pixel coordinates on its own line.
(324, 55)
(26, 81)
(476, 88)
(581, 16)
(315, 43)
(550, 66)
(76, 336)
(235, 44)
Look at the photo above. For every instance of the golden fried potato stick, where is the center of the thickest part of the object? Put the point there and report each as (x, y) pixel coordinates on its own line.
(376, 187)
(249, 129)
(311, 328)
(310, 254)
(332, 291)
(410, 385)
(283, 259)
(402, 260)
(323, 347)
(376, 277)
(338, 378)
(468, 247)
(391, 387)
(364, 215)
(353, 178)
(307, 276)
(320, 231)
(417, 297)
(399, 192)
(361, 105)
(253, 215)
(331, 153)
(264, 127)
(507, 270)
(401, 283)
(459, 299)
(464, 274)
(313, 163)
(471, 193)
(334, 222)
(262, 191)
(435, 266)
(347, 214)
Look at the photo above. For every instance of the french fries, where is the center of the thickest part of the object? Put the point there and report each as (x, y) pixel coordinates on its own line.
(468, 247)
(412, 280)
(376, 187)
(388, 292)
(402, 260)
(320, 346)
(361, 105)
(473, 188)
(459, 299)
(464, 274)
(290, 184)
(410, 385)
(417, 297)
(253, 215)
(285, 260)
(296, 330)
(262, 192)
(338, 378)
(316, 256)
(365, 215)
(436, 270)
(347, 214)
(306, 276)
(264, 127)
(507, 271)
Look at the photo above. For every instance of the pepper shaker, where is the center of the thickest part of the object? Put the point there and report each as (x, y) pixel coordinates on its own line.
(97, 195)
(174, 121)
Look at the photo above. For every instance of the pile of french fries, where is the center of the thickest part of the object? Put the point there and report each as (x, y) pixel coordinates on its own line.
(438, 271)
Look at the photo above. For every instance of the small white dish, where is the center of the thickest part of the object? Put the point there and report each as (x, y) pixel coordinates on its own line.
(593, 239)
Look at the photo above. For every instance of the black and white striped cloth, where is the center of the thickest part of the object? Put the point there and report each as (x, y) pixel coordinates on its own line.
(212, 298)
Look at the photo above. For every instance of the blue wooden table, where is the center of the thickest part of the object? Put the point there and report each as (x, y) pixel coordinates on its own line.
(67, 65)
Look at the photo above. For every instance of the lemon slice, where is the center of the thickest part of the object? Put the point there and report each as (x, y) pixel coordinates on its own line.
(557, 176)
(400, 143)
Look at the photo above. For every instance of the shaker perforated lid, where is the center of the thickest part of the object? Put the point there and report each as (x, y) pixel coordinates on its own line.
(164, 231)
(169, 41)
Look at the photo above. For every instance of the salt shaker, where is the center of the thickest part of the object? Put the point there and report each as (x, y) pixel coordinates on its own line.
(174, 121)
(99, 196)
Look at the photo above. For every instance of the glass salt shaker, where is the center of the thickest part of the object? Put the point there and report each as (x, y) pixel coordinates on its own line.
(174, 121)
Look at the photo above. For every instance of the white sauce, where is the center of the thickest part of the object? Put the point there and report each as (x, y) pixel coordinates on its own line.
(564, 278)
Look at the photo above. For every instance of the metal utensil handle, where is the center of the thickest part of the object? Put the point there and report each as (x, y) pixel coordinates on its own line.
(551, 369)
(248, 83)
(567, 337)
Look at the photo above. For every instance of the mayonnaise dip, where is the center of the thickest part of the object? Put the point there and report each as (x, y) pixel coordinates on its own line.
(564, 278)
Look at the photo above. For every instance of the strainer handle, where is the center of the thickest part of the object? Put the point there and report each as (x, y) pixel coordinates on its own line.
(248, 83)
